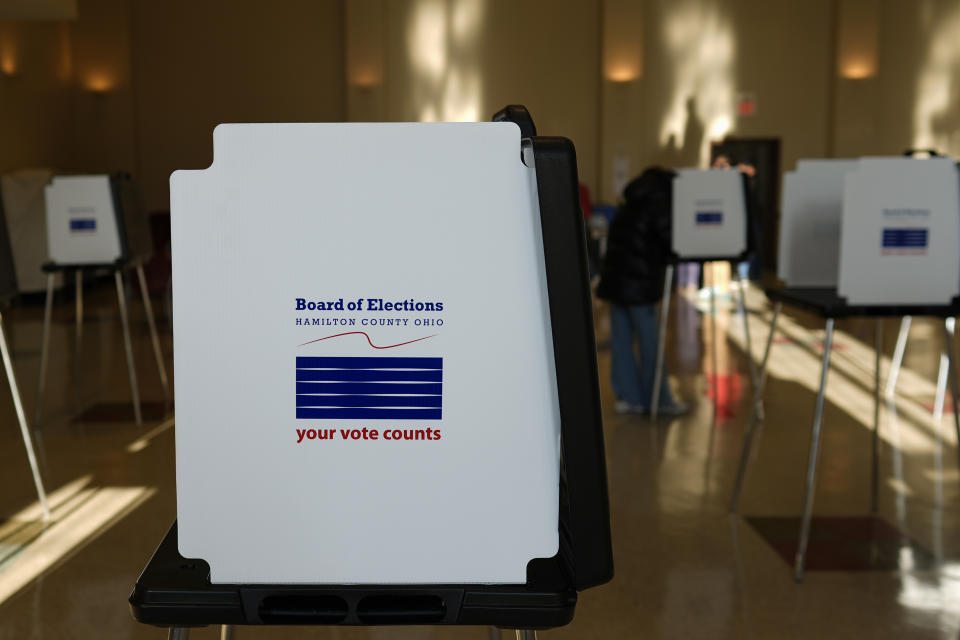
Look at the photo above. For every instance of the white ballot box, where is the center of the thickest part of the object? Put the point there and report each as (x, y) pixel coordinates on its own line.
(82, 220)
(900, 233)
(366, 390)
(709, 214)
(811, 206)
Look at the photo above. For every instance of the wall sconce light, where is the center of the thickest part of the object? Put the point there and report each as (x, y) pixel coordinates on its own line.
(98, 83)
(622, 41)
(622, 75)
(8, 64)
(365, 81)
(857, 39)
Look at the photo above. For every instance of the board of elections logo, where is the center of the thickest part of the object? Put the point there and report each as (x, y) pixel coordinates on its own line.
(911, 240)
(369, 388)
(709, 218)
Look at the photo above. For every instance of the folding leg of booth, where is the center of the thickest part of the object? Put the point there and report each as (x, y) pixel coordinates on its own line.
(748, 345)
(661, 341)
(811, 481)
(948, 336)
(828, 305)
(755, 414)
(875, 448)
(117, 269)
(898, 352)
(715, 383)
(22, 419)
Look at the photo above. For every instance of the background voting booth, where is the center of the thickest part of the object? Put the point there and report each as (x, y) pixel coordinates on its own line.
(24, 213)
(812, 204)
(899, 221)
(96, 222)
(350, 447)
(710, 223)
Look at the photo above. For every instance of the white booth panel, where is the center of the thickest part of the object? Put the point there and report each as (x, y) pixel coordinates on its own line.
(709, 214)
(336, 281)
(25, 210)
(81, 220)
(811, 208)
(900, 232)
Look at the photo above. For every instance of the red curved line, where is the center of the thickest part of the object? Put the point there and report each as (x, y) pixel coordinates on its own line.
(364, 334)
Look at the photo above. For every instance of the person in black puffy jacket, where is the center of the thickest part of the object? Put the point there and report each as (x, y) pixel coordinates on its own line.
(631, 278)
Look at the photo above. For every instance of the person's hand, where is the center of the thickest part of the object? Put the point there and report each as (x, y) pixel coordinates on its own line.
(747, 169)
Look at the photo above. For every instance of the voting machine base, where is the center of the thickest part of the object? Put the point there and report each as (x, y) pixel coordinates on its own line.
(176, 592)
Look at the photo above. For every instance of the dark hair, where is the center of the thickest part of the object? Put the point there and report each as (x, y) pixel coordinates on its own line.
(653, 180)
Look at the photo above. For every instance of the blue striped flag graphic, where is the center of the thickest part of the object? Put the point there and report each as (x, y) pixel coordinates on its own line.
(369, 388)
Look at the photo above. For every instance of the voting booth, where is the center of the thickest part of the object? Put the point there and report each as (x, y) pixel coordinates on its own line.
(901, 232)
(810, 213)
(709, 223)
(97, 222)
(709, 215)
(24, 213)
(364, 399)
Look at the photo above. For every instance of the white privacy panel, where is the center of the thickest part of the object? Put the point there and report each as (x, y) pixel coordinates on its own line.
(811, 206)
(82, 220)
(900, 233)
(365, 383)
(709, 214)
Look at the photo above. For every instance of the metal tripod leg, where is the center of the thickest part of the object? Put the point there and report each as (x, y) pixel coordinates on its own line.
(78, 277)
(22, 419)
(526, 634)
(178, 633)
(128, 347)
(948, 332)
(875, 457)
(713, 338)
(226, 632)
(661, 341)
(811, 483)
(898, 352)
(748, 348)
(45, 344)
(157, 353)
(754, 415)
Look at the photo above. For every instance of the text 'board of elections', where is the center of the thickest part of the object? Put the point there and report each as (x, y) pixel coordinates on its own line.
(366, 389)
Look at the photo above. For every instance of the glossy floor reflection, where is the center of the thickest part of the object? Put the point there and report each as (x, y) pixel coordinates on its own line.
(684, 567)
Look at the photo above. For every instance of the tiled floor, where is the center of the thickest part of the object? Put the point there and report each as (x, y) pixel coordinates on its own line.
(685, 568)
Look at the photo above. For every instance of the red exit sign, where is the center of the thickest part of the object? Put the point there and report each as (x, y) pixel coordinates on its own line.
(746, 105)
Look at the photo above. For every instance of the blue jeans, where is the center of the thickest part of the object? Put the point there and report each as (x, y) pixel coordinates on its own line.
(633, 381)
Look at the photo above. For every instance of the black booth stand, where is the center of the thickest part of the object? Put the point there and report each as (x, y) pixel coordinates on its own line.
(176, 592)
(830, 306)
(134, 242)
(665, 314)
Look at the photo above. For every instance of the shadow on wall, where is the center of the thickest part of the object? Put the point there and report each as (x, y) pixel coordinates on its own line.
(687, 154)
(936, 121)
(444, 48)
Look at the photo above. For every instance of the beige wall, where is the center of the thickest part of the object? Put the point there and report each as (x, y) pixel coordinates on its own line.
(36, 98)
(104, 125)
(140, 85)
(466, 59)
(198, 64)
